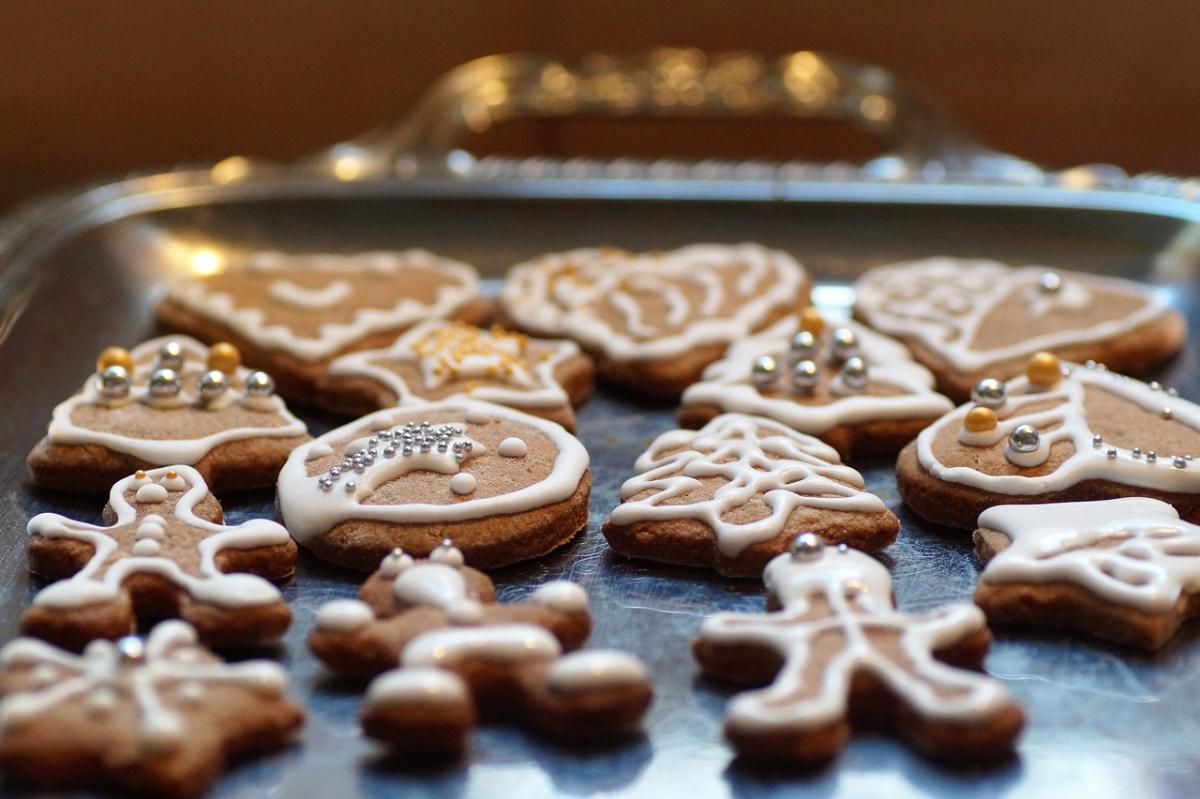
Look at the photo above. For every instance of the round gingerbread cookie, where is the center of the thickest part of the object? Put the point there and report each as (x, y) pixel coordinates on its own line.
(1062, 433)
(438, 359)
(734, 494)
(853, 388)
(168, 401)
(291, 313)
(503, 485)
(654, 320)
(967, 319)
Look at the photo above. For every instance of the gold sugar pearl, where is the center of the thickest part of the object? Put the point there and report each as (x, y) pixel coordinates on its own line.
(811, 321)
(1044, 369)
(140, 474)
(224, 357)
(114, 356)
(172, 474)
(980, 420)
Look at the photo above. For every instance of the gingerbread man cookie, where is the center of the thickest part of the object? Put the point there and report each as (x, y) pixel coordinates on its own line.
(461, 654)
(505, 485)
(855, 389)
(967, 319)
(161, 717)
(1063, 432)
(1125, 570)
(437, 360)
(170, 400)
(293, 313)
(837, 650)
(163, 552)
(734, 494)
(653, 321)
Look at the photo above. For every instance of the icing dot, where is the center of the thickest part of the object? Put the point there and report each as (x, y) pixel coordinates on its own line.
(191, 692)
(462, 483)
(513, 447)
(344, 615)
(561, 595)
(101, 701)
(173, 482)
(477, 416)
(420, 684)
(464, 611)
(150, 530)
(147, 547)
(582, 671)
(448, 554)
(151, 492)
(43, 674)
(395, 562)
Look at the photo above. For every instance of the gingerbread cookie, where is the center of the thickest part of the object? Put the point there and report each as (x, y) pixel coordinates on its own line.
(170, 400)
(653, 321)
(506, 486)
(967, 319)
(293, 313)
(437, 360)
(734, 494)
(1062, 433)
(461, 654)
(1125, 570)
(163, 552)
(851, 387)
(161, 717)
(834, 650)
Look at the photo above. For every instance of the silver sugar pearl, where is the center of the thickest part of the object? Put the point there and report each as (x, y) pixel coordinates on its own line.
(1151, 456)
(326, 482)
(806, 546)
(1166, 413)
(1097, 440)
(1136, 452)
(1050, 283)
(764, 371)
(805, 376)
(335, 471)
(170, 355)
(1155, 385)
(389, 451)
(212, 384)
(259, 384)
(1111, 454)
(1090, 364)
(113, 382)
(802, 347)
(989, 393)
(165, 382)
(350, 486)
(1172, 392)
(1024, 438)
(131, 649)
(854, 374)
(843, 345)
(1180, 462)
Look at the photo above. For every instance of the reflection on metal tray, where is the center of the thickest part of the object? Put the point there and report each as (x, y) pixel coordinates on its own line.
(80, 272)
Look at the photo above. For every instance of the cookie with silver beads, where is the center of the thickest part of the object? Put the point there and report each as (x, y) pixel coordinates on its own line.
(443, 653)
(969, 319)
(153, 716)
(505, 485)
(1062, 432)
(168, 401)
(733, 494)
(853, 388)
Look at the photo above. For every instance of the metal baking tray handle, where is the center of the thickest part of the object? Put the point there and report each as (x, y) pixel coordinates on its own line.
(919, 139)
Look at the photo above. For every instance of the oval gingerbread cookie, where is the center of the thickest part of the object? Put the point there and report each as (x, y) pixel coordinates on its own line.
(437, 360)
(967, 319)
(855, 389)
(292, 313)
(654, 320)
(506, 486)
(1062, 433)
(168, 401)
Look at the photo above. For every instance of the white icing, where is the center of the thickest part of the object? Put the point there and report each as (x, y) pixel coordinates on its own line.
(566, 293)
(101, 577)
(784, 469)
(421, 685)
(911, 299)
(857, 591)
(465, 611)
(513, 447)
(728, 383)
(462, 483)
(256, 326)
(344, 615)
(175, 483)
(430, 584)
(1133, 551)
(596, 669)
(311, 511)
(1026, 460)
(151, 530)
(63, 430)
(395, 562)
(502, 643)
(101, 678)
(152, 492)
(447, 554)
(328, 296)
(477, 415)
(445, 351)
(322, 451)
(1066, 421)
(561, 595)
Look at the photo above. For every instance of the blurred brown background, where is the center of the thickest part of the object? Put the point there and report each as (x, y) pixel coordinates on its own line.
(97, 87)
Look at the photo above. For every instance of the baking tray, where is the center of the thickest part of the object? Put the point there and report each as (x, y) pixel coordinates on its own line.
(80, 271)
